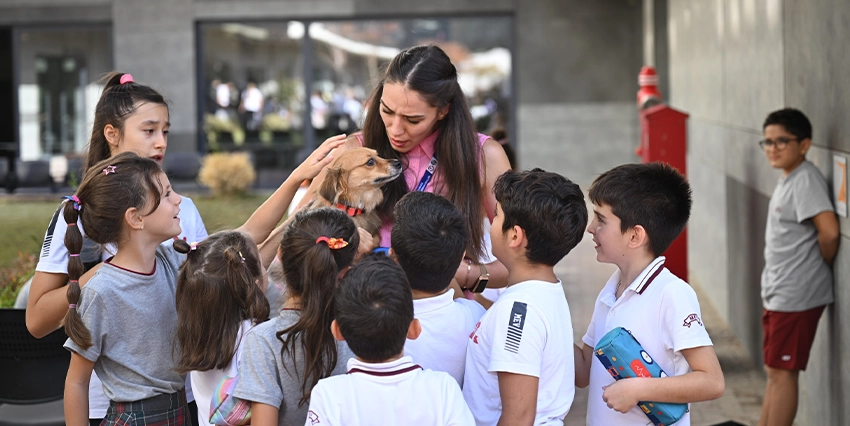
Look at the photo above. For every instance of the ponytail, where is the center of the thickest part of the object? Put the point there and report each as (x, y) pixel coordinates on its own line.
(217, 289)
(131, 182)
(317, 245)
(118, 100)
(74, 326)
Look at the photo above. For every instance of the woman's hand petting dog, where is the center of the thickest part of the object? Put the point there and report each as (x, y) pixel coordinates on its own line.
(320, 158)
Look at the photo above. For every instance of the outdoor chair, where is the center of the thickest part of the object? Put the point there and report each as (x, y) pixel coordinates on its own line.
(33, 372)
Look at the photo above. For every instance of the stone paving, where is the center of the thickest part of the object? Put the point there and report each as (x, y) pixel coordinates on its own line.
(584, 277)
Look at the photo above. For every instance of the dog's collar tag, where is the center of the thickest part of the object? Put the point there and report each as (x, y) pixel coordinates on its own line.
(351, 211)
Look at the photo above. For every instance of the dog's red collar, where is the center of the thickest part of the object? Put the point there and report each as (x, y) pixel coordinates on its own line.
(351, 211)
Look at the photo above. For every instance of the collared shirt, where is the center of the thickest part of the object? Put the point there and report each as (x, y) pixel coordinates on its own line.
(663, 314)
(390, 393)
(446, 324)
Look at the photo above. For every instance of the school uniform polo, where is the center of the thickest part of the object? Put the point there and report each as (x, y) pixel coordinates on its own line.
(391, 393)
(527, 331)
(663, 314)
(446, 323)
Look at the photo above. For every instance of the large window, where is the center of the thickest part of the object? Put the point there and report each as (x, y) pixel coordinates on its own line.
(58, 73)
(276, 87)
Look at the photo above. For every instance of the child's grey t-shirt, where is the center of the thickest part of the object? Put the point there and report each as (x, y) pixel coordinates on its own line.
(795, 277)
(262, 376)
(132, 319)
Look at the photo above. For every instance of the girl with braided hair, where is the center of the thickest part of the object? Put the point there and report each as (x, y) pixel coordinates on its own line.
(128, 307)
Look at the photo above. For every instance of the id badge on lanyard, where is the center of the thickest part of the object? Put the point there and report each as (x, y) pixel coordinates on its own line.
(429, 173)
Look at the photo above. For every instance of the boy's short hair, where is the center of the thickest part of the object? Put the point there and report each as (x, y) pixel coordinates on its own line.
(374, 308)
(548, 207)
(793, 120)
(654, 195)
(429, 237)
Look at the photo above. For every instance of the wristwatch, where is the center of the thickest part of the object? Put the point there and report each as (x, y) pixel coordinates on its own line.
(482, 281)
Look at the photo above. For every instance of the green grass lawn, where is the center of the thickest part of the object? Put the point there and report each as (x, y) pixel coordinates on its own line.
(24, 222)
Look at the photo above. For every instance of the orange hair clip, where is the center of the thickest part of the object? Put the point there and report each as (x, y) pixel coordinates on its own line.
(333, 243)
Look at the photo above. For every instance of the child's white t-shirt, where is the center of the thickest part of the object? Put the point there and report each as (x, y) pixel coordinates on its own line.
(446, 324)
(205, 382)
(662, 313)
(527, 331)
(391, 393)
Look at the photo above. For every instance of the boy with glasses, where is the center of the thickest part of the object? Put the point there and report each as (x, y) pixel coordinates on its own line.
(800, 244)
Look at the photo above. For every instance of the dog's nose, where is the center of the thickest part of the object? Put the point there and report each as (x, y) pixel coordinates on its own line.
(396, 164)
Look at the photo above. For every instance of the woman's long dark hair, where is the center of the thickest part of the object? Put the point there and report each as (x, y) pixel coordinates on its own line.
(217, 289)
(311, 269)
(428, 71)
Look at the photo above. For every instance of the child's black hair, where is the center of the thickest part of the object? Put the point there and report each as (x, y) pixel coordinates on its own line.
(117, 102)
(548, 207)
(793, 120)
(654, 195)
(311, 268)
(374, 308)
(218, 288)
(429, 237)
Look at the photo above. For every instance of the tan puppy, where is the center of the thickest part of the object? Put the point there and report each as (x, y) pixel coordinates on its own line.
(353, 184)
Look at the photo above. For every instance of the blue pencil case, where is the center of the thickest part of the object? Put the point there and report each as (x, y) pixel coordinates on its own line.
(623, 357)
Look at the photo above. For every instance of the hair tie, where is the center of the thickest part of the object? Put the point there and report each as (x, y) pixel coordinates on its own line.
(126, 78)
(333, 243)
(72, 223)
(74, 255)
(75, 281)
(74, 199)
(109, 169)
(241, 257)
(72, 306)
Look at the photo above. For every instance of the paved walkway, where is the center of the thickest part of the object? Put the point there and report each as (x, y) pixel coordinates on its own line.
(584, 277)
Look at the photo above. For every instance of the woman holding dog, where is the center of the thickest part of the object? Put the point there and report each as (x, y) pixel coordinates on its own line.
(419, 114)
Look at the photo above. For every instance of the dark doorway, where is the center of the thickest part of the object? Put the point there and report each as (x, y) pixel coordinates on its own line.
(8, 127)
(7, 109)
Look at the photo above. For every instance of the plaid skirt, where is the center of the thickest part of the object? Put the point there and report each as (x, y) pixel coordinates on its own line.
(160, 410)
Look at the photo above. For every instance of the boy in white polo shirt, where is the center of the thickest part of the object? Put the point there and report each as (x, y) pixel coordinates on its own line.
(638, 210)
(374, 315)
(519, 362)
(429, 237)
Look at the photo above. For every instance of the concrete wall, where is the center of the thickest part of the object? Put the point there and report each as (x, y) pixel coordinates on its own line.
(576, 62)
(730, 63)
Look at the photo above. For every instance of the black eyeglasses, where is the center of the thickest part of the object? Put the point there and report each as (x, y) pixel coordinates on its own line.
(779, 143)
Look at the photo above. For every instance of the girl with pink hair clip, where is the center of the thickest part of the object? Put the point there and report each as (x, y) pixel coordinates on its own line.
(127, 201)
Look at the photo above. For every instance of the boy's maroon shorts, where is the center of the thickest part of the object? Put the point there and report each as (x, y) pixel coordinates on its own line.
(788, 337)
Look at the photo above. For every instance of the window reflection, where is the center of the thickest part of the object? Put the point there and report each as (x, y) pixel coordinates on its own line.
(254, 93)
(259, 97)
(59, 88)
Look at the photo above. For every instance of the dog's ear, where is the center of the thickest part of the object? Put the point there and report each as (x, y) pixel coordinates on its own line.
(332, 185)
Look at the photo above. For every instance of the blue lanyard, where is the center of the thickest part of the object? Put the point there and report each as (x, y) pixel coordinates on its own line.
(429, 173)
